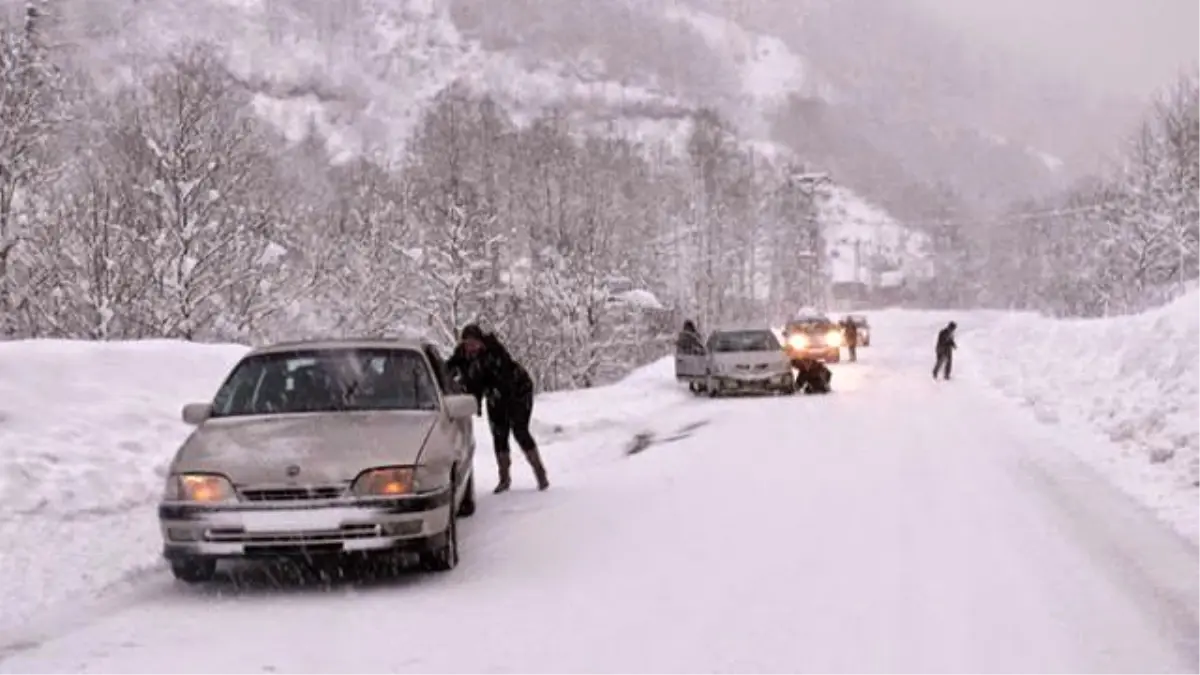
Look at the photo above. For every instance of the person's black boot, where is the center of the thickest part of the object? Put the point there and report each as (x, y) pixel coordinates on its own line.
(539, 469)
(504, 463)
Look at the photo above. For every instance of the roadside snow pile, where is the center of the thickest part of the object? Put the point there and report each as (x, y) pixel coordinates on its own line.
(622, 406)
(1135, 379)
(89, 427)
(87, 430)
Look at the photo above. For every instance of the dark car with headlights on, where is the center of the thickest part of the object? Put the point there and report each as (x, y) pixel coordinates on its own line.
(816, 338)
(330, 448)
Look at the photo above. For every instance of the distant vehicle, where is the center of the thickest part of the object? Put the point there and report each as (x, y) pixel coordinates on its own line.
(813, 337)
(864, 329)
(739, 360)
(323, 449)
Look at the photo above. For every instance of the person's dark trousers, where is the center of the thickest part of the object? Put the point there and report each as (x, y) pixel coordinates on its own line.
(945, 361)
(853, 349)
(514, 417)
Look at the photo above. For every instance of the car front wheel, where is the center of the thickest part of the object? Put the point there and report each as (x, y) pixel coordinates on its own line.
(445, 557)
(467, 507)
(194, 571)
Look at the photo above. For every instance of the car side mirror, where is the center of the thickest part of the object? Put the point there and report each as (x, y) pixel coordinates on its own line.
(196, 413)
(461, 406)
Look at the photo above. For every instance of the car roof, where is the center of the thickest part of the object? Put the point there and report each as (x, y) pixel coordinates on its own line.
(810, 319)
(743, 329)
(318, 344)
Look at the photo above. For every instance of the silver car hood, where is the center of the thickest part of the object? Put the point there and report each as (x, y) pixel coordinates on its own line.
(776, 360)
(327, 447)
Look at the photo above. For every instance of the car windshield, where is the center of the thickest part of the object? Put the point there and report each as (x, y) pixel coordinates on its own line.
(810, 327)
(326, 380)
(744, 341)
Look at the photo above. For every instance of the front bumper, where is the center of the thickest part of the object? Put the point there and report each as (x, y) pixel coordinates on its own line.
(826, 353)
(251, 530)
(755, 381)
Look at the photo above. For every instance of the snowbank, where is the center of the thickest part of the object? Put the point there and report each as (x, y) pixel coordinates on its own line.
(1134, 379)
(87, 430)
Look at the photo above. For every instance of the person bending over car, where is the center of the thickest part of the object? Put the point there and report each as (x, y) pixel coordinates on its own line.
(813, 377)
(689, 340)
(944, 351)
(486, 369)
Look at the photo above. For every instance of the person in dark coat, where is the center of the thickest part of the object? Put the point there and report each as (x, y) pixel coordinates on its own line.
(850, 332)
(945, 351)
(689, 340)
(485, 368)
(813, 377)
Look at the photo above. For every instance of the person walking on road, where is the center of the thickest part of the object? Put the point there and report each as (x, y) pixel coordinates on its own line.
(944, 350)
(850, 332)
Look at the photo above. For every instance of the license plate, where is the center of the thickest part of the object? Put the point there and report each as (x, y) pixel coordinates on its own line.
(299, 520)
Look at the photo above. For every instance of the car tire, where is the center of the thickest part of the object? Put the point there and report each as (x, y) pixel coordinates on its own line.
(467, 507)
(445, 557)
(194, 570)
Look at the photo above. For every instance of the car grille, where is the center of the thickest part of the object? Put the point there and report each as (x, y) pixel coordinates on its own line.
(294, 494)
(758, 366)
(235, 535)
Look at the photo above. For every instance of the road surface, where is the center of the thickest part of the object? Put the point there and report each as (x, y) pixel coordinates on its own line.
(900, 524)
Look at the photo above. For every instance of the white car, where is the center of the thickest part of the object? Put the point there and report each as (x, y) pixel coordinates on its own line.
(740, 360)
(319, 450)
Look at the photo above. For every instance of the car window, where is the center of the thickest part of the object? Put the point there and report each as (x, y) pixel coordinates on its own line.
(327, 380)
(449, 385)
(744, 341)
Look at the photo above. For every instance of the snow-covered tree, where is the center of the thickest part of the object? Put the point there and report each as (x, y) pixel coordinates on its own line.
(31, 113)
(199, 176)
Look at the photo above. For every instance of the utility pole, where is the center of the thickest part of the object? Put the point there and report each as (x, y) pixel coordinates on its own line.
(810, 186)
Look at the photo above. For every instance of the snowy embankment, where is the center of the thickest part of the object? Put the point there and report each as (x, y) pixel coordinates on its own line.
(87, 430)
(1134, 380)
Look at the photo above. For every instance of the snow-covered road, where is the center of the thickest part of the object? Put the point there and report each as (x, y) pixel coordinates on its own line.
(899, 525)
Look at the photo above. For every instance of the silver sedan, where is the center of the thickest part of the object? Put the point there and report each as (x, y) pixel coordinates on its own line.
(323, 448)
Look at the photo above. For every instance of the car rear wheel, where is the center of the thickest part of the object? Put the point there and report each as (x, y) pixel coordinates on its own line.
(467, 508)
(194, 571)
(445, 557)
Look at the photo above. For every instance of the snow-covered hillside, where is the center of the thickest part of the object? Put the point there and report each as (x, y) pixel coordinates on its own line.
(361, 73)
(866, 245)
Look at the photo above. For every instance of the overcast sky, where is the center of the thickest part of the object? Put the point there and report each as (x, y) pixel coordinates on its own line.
(1117, 46)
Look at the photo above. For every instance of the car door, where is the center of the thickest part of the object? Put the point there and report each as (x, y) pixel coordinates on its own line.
(464, 429)
(689, 366)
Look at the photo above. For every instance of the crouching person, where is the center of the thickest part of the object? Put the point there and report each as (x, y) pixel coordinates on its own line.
(813, 377)
(484, 366)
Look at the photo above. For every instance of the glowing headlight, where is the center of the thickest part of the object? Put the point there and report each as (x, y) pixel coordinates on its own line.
(398, 481)
(394, 481)
(199, 487)
(835, 339)
(798, 341)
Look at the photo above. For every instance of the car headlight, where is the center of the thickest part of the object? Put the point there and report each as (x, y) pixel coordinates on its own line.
(798, 341)
(835, 339)
(396, 481)
(199, 487)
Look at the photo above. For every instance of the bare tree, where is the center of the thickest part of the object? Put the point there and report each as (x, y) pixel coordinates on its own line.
(30, 115)
(198, 167)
